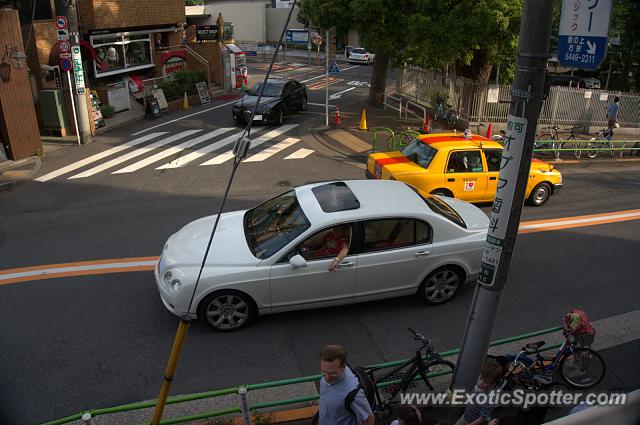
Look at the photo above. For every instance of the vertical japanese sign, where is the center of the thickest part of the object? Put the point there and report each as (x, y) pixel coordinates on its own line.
(582, 37)
(78, 72)
(511, 158)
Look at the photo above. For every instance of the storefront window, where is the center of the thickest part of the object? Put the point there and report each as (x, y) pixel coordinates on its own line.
(116, 54)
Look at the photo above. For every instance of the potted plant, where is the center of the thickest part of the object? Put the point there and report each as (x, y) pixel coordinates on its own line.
(107, 111)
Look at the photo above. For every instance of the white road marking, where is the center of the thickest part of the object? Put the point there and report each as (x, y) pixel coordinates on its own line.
(320, 104)
(186, 116)
(181, 162)
(135, 153)
(98, 156)
(324, 75)
(254, 144)
(272, 150)
(172, 151)
(300, 153)
(339, 94)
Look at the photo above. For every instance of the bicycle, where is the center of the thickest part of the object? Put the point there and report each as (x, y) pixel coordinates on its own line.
(452, 118)
(558, 144)
(579, 367)
(423, 366)
(601, 142)
(478, 126)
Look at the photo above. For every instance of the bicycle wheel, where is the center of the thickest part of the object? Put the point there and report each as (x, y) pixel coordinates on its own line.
(576, 145)
(592, 149)
(440, 373)
(610, 146)
(556, 149)
(584, 368)
(544, 141)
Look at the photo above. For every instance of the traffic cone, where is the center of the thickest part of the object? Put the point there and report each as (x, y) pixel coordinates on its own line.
(426, 127)
(336, 117)
(363, 121)
(489, 130)
(185, 102)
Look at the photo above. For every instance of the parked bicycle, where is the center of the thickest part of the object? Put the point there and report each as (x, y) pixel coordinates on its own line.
(600, 143)
(559, 144)
(425, 363)
(578, 366)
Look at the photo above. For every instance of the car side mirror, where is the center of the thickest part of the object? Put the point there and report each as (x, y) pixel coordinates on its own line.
(298, 261)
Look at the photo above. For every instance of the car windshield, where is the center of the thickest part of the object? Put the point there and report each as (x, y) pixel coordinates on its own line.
(419, 152)
(272, 225)
(441, 208)
(361, 51)
(270, 90)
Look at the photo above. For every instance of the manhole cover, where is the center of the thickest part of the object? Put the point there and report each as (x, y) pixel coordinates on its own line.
(284, 183)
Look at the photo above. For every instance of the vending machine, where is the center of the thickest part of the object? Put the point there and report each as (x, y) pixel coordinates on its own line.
(238, 64)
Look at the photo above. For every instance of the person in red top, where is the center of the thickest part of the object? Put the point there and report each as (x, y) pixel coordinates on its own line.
(332, 242)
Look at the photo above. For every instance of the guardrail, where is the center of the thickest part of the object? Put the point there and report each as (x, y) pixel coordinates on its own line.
(406, 110)
(397, 99)
(242, 390)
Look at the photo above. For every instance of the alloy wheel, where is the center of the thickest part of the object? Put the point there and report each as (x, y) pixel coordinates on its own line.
(441, 286)
(227, 312)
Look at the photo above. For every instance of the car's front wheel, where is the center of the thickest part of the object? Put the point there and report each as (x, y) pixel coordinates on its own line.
(441, 285)
(280, 116)
(303, 105)
(540, 194)
(227, 310)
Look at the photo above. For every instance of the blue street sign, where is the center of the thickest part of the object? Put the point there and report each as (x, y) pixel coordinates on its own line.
(582, 38)
(66, 64)
(333, 69)
(296, 36)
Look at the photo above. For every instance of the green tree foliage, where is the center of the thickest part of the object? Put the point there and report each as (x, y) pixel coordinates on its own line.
(625, 58)
(472, 35)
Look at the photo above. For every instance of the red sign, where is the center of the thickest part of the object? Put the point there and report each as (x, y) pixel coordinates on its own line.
(64, 46)
(61, 22)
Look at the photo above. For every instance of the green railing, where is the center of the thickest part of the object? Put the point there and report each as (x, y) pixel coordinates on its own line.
(272, 384)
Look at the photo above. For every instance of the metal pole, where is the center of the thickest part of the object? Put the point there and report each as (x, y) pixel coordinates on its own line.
(178, 343)
(81, 100)
(326, 79)
(527, 94)
(87, 419)
(244, 406)
(73, 107)
(309, 45)
(606, 86)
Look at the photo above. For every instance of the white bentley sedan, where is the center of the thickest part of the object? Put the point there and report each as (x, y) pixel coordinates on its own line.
(276, 256)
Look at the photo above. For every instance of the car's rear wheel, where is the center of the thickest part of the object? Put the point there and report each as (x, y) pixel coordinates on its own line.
(540, 194)
(441, 285)
(227, 310)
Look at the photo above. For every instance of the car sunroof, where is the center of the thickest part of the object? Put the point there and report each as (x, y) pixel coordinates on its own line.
(334, 197)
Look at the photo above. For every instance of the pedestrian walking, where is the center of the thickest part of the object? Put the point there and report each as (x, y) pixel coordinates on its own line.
(612, 115)
(336, 383)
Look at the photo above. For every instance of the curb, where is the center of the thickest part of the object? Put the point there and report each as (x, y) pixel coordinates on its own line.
(13, 183)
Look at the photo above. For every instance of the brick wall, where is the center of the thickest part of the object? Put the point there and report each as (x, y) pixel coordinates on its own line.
(211, 53)
(106, 14)
(43, 38)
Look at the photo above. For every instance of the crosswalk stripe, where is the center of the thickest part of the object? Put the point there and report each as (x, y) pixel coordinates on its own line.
(254, 144)
(181, 162)
(272, 150)
(300, 153)
(99, 156)
(171, 151)
(135, 153)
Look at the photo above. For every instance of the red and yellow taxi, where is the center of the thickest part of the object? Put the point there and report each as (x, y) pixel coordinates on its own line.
(451, 165)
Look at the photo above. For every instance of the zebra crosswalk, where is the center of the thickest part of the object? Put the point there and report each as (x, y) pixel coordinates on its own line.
(195, 147)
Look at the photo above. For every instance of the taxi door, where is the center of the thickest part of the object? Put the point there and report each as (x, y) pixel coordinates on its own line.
(493, 159)
(465, 175)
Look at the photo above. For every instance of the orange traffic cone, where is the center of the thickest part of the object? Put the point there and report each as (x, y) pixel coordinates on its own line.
(489, 129)
(363, 121)
(426, 125)
(336, 117)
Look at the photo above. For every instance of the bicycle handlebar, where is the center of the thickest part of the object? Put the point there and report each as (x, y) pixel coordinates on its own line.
(419, 337)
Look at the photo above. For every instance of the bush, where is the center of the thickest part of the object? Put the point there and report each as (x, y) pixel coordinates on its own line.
(183, 81)
(107, 111)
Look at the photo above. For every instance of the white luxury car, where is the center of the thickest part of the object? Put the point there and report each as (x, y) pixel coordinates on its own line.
(276, 256)
(360, 55)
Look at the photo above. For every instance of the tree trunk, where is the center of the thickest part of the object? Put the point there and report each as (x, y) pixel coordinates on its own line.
(479, 70)
(378, 79)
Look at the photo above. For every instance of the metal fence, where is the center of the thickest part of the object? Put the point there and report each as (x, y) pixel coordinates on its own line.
(478, 102)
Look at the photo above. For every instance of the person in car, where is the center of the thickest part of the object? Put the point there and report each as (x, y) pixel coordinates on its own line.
(331, 242)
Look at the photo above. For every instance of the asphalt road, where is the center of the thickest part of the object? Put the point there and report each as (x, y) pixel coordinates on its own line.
(96, 341)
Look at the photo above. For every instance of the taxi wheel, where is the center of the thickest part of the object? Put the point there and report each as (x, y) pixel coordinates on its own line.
(540, 195)
(442, 192)
(227, 311)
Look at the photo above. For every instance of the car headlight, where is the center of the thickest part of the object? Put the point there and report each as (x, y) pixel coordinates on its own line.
(172, 282)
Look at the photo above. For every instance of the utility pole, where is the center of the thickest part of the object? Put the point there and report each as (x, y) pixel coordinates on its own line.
(81, 101)
(527, 94)
(326, 79)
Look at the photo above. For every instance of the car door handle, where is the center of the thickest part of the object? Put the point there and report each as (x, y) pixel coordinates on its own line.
(421, 253)
(346, 264)
(492, 178)
(451, 180)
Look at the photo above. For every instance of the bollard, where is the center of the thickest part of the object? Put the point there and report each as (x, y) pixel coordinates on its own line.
(244, 406)
(86, 419)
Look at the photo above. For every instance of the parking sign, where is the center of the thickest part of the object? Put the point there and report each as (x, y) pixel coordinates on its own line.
(582, 39)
